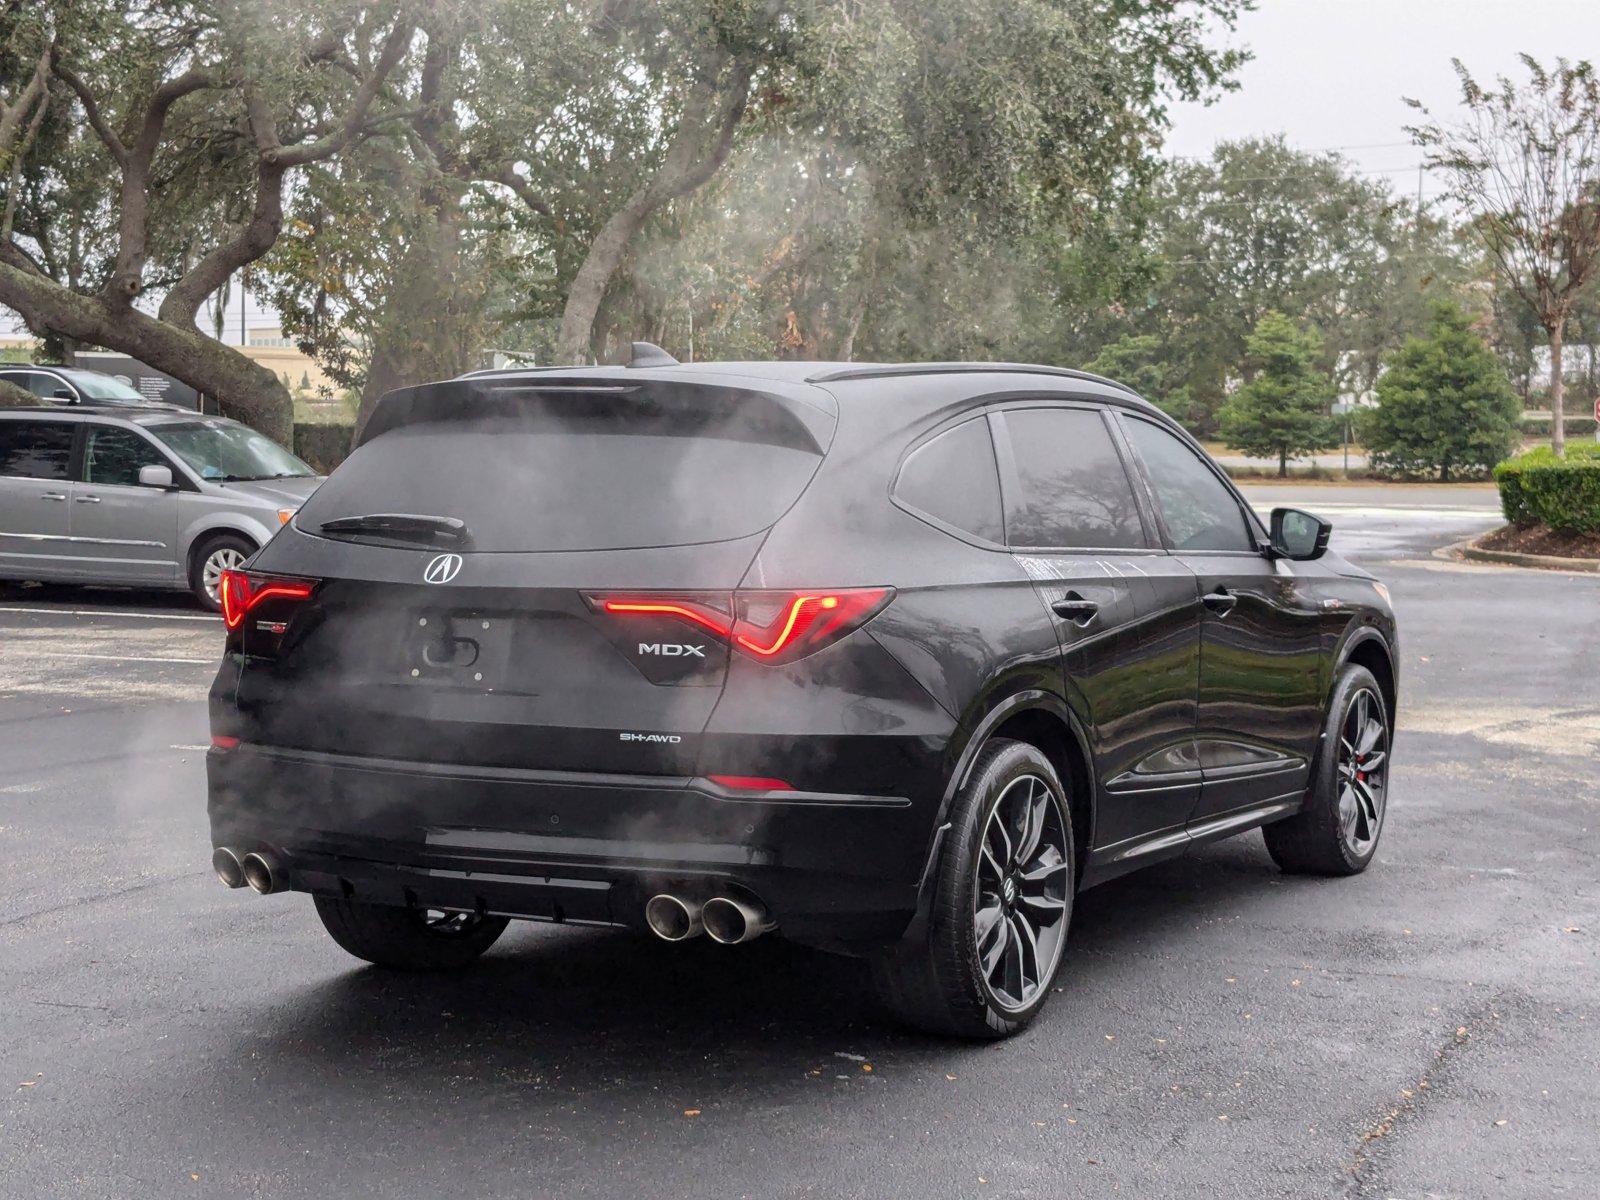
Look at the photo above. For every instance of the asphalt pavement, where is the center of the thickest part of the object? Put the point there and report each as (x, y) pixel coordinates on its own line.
(1428, 1029)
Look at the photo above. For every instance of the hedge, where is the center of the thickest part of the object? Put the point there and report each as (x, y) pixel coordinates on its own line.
(1538, 488)
(1575, 427)
(324, 446)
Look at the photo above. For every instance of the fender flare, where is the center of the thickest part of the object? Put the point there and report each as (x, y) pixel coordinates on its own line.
(210, 525)
(1010, 706)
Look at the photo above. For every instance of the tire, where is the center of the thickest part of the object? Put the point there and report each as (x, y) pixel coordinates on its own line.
(940, 983)
(219, 551)
(1337, 830)
(408, 939)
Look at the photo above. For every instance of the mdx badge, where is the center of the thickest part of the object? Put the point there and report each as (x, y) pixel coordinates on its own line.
(672, 649)
(442, 569)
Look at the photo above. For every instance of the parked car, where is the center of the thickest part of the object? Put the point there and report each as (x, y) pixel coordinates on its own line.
(893, 660)
(69, 385)
(156, 497)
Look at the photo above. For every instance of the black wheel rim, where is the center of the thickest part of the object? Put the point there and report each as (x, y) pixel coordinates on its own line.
(1020, 893)
(1362, 772)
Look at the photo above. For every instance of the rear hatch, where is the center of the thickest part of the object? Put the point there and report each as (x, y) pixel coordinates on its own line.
(459, 565)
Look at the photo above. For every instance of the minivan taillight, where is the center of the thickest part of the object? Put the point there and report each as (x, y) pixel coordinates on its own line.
(243, 591)
(768, 626)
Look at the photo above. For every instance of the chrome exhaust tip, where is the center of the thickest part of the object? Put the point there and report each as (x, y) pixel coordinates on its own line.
(733, 922)
(228, 867)
(672, 918)
(263, 873)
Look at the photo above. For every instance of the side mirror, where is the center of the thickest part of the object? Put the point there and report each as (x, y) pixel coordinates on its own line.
(155, 475)
(66, 394)
(1299, 535)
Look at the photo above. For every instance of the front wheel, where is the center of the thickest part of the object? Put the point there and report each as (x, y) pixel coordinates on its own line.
(1337, 830)
(408, 939)
(1003, 897)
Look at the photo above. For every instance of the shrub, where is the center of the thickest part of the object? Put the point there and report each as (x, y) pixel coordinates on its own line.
(323, 445)
(1444, 403)
(1282, 412)
(1563, 493)
(1539, 427)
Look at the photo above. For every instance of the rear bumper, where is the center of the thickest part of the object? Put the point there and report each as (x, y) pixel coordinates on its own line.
(833, 869)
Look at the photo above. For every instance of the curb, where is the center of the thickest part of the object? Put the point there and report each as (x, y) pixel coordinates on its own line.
(1470, 551)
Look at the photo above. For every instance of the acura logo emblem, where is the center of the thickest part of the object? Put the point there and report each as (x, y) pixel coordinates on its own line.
(443, 569)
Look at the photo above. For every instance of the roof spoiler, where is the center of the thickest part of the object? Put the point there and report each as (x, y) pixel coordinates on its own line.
(663, 405)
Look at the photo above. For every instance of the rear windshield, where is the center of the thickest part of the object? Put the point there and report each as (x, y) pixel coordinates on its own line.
(521, 487)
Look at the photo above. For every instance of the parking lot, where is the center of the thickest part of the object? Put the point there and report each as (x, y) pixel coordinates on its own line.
(1428, 1029)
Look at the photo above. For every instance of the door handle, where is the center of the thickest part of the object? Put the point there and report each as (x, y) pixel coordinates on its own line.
(87, 499)
(1220, 601)
(1076, 608)
(53, 496)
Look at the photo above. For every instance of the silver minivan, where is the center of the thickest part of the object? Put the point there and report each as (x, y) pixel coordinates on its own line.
(144, 497)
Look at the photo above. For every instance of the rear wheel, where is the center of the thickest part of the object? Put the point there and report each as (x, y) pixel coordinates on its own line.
(224, 552)
(1336, 832)
(408, 939)
(1003, 898)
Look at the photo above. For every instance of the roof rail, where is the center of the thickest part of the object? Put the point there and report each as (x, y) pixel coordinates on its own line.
(835, 374)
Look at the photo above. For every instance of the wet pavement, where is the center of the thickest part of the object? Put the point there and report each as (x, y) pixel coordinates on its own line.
(1428, 1029)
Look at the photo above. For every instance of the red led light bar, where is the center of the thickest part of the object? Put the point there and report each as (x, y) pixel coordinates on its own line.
(751, 783)
(769, 626)
(240, 591)
(223, 741)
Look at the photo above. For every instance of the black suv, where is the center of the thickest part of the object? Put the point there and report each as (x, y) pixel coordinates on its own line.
(892, 660)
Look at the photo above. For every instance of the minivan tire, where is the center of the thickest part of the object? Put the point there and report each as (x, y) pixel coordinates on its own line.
(405, 939)
(1318, 839)
(228, 550)
(937, 981)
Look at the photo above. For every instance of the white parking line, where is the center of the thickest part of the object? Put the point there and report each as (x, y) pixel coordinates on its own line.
(189, 662)
(95, 612)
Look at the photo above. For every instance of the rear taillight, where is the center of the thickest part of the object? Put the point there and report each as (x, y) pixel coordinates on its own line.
(242, 592)
(769, 626)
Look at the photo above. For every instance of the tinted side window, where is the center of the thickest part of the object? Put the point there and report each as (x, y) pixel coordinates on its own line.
(35, 449)
(114, 456)
(1200, 512)
(953, 478)
(45, 386)
(1073, 488)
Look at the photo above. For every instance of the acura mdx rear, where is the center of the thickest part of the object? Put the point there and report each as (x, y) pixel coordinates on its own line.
(722, 649)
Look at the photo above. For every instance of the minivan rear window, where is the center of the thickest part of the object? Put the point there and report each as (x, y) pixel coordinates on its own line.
(523, 487)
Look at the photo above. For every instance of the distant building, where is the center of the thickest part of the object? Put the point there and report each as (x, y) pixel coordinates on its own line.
(267, 345)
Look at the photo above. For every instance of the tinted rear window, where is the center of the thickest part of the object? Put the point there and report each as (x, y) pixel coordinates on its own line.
(35, 449)
(527, 487)
(1073, 489)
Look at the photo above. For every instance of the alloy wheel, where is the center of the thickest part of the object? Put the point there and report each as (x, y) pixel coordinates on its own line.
(223, 558)
(1362, 772)
(1021, 899)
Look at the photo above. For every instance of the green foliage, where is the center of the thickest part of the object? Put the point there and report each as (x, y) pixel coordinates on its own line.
(1262, 227)
(1144, 364)
(323, 444)
(1282, 411)
(1536, 487)
(1444, 403)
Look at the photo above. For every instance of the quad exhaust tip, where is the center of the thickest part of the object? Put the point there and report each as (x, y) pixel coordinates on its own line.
(733, 922)
(228, 867)
(263, 873)
(672, 918)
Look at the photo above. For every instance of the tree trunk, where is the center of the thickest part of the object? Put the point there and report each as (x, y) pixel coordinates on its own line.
(697, 150)
(1283, 462)
(1558, 423)
(243, 389)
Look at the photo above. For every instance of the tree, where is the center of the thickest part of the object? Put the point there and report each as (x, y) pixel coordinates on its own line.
(1444, 403)
(1525, 160)
(1283, 408)
(200, 111)
(1262, 227)
(1141, 362)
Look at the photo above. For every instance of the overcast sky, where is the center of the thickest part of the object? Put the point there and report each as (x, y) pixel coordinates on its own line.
(1331, 73)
